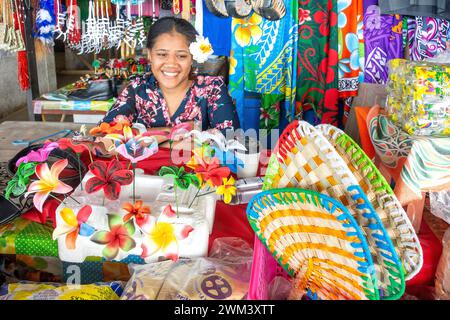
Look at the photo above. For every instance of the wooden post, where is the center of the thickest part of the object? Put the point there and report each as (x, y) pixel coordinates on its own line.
(33, 92)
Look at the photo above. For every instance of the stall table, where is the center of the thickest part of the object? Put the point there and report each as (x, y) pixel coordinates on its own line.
(28, 251)
(83, 111)
(27, 246)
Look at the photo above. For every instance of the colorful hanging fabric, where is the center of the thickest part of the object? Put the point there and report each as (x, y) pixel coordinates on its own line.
(270, 111)
(177, 6)
(270, 60)
(45, 21)
(198, 23)
(317, 77)
(236, 72)
(74, 32)
(351, 46)
(22, 60)
(147, 8)
(383, 41)
(426, 37)
(218, 31)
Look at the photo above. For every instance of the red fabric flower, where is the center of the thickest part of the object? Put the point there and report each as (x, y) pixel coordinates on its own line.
(331, 107)
(66, 143)
(303, 15)
(325, 20)
(109, 177)
(327, 63)
(212, 171)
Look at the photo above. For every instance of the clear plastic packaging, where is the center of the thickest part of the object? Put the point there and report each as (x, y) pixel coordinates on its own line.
(419, 96)
(440, 205)
(442, 280)
(279, 288)
(225, 275)
(247, 188)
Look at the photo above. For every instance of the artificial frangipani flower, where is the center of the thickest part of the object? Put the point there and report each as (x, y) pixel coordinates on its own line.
(48, 182)
(119, 236)
(201, 49)
(161, 237)
(136, 211)
(227, 189)
(73, 225)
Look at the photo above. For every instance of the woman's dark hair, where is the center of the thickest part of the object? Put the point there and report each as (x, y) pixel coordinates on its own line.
(169, 25)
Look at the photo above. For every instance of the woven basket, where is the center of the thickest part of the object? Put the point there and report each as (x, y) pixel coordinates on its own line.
(317, 241)
(381, 197)
(303, 158)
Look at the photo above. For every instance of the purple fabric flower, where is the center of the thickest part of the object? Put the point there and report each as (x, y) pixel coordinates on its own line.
(39, 155)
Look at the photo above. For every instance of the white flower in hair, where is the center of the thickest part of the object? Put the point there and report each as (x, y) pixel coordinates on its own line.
(201, 49)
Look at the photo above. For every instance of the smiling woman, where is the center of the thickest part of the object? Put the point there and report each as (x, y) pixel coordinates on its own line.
(172, 93)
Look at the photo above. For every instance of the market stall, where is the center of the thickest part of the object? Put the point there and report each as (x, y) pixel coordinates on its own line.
(168, 199)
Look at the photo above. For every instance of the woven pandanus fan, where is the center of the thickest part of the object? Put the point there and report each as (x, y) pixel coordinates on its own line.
(303, 158)
(317, 241)
(381, 197)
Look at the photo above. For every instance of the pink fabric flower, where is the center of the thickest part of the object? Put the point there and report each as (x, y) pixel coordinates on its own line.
(39, 155)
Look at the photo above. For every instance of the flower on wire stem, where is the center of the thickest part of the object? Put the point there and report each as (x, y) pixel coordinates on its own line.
(211, 171)
(39, 155)
(109, 176)
(162, 236)
(73, 225)
(19, 183)
(227, 189)
(48, 182)
(136, 211)
(119, 236)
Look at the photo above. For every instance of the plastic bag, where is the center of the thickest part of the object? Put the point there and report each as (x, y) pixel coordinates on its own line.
(442, 280)
(279, 288)
(58, 291)
(419, 96)
(225, 275)
(440, 205)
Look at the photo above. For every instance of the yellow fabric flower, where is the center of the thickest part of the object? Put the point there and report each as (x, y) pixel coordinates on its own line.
(227, 189)
(247, 29)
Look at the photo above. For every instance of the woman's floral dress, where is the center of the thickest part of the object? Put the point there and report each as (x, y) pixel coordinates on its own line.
(207, 102)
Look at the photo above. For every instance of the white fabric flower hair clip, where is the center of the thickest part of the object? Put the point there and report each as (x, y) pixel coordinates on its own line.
(201, 49)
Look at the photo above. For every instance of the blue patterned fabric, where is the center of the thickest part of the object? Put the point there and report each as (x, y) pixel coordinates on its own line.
(218, 31)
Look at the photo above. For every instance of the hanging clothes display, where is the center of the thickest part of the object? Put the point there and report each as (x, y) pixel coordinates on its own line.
(383, 41)
(426, 8)
(351, 46)
(45, 21)
(19, 30)
(218, 31)
(271, 61)
(150, 8)
(240, 37)
(317, 77)
(425, 37)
